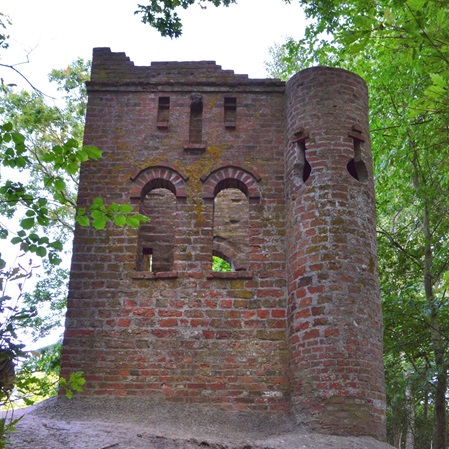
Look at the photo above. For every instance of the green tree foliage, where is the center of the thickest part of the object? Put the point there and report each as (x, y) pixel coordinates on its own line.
(163, 14)
(219, 264)
(402, 50)
(40, 154)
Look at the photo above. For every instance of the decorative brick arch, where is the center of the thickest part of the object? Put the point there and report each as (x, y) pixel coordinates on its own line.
(230, 176)
(158, 176)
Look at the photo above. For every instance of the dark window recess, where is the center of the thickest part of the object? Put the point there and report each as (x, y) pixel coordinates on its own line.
(196, 119)
(356, 167)
(163, 112)
(303, 163)
(301, 168)
(230, 112)
(147, 259)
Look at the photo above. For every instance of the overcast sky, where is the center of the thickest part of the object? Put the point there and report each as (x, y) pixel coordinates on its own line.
(55, 32)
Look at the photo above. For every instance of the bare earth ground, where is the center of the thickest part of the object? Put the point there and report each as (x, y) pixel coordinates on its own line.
(134, 423)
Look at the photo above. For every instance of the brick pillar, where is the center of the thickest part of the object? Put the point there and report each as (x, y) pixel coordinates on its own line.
(334, 313)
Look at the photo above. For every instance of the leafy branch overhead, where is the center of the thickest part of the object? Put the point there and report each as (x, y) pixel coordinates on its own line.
(163, 16)
(40, 157)
(58, 162)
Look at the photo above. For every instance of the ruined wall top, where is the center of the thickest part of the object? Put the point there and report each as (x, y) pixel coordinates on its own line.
(111, 69)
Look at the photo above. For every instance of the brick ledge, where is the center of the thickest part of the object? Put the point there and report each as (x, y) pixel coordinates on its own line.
(150, 275)
(230, 275)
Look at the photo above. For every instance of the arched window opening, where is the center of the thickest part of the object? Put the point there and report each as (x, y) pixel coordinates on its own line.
(231, 223)
(155, 249)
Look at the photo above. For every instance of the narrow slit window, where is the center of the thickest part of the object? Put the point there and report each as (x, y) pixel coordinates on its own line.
(147, 259)
(196, 119)
(230, 112)
(303, 163)
(356, 167)
(163, 112)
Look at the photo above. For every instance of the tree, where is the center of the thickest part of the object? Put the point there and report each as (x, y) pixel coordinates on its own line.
(163, 15)
(402, 50)
(40, 155)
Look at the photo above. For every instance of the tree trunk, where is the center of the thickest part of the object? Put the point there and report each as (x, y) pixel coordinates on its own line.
(437, 342)
(410, 435)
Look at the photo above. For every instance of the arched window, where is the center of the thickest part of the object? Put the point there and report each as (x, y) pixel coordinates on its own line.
(157, 189)
(155, 248)
(231, 223)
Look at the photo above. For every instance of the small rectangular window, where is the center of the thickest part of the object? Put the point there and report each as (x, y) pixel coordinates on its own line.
(163, 112)
(147, 259)
(230, 112)
(196, 120)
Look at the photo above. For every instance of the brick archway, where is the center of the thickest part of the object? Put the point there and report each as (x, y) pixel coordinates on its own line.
(164, 175)
(230, 176)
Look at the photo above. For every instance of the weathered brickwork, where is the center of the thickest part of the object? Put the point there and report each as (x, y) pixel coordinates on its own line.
(274, 178)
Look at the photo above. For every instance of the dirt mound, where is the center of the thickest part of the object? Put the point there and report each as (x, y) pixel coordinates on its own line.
(131, 423)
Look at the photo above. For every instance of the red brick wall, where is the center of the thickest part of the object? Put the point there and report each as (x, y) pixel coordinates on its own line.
(334, 316)
(184, 335)
(189, 334)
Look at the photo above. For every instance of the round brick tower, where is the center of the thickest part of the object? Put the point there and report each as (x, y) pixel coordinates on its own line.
(334, 312)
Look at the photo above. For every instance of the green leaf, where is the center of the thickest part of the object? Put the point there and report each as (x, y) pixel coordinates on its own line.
(41, 251)
(92, 151)
(18, 138)
(33, 237)
(113, 208)
(54, 259)
(120, 220)
(126, 208)
(72, 168)
(82, 220)
(99, 222)
(71, 143)
(59, 184)
(27, 223)
(56, 245)
(97, 203)
(21, 162)
(132, 221)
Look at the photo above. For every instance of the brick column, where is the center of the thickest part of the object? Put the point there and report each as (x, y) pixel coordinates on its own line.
(334, 313)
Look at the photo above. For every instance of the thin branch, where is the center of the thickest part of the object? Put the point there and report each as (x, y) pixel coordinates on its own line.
(414, 259)
(38, 91)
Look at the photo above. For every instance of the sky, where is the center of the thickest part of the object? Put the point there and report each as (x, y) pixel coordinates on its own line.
(52, 33)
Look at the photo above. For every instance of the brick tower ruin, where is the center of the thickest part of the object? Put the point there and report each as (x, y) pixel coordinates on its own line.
(274, 178)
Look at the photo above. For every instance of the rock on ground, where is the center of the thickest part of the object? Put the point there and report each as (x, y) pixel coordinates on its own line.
(132, 423)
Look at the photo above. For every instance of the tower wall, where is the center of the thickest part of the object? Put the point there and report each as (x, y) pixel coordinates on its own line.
(182, 332)
(334, 314)
(203, 152)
